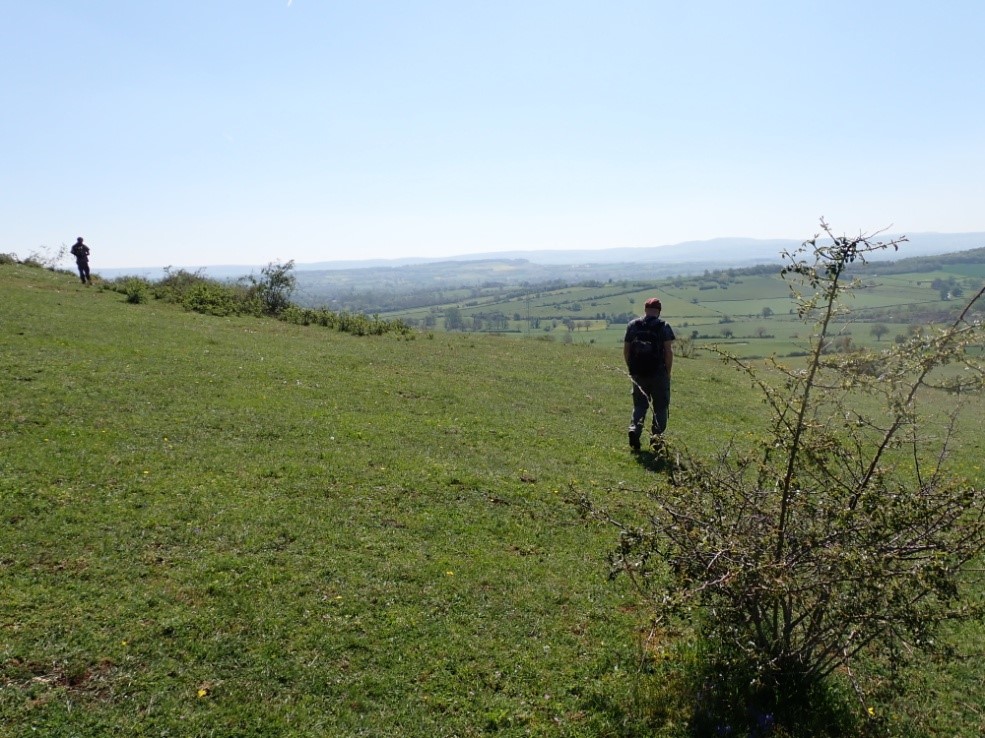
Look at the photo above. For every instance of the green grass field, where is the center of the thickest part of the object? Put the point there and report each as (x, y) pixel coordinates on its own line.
(239, 527)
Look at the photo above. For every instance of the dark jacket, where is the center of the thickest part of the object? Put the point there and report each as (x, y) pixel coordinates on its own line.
(653, 328)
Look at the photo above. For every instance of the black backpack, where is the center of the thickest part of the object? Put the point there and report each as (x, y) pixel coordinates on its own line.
(646, 349)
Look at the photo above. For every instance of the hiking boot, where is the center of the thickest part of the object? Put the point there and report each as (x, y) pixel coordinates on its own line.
(634, 440)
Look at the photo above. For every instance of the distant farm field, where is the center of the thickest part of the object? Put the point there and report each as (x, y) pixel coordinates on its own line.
(749, 311)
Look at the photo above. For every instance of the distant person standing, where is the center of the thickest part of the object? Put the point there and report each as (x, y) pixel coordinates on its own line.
(81, 253)
(649, 354)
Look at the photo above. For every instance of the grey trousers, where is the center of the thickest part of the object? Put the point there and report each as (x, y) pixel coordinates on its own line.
(650, 391)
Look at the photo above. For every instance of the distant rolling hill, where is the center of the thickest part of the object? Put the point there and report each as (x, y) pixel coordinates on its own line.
(518, 266)
(723, 252)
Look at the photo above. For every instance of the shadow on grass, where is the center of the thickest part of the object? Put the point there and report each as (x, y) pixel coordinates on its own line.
(694, 699)
(661, 460)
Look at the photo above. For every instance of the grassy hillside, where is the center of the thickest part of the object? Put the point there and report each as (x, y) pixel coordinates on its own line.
(232, 526)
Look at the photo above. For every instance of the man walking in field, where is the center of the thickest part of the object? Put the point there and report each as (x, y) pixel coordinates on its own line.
(649, 354)
(81, 253)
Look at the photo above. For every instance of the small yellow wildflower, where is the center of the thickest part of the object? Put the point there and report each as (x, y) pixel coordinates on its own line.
(872, 712)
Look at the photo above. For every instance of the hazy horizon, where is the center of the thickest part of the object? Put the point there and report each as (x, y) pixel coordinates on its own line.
(707, 253)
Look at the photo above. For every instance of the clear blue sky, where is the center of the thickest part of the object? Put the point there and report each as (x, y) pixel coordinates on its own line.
(172, 132)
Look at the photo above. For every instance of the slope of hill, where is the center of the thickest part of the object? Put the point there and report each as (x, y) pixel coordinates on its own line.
(236, 526)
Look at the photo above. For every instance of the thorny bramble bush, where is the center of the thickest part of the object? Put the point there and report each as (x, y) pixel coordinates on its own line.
(842, 542)
(43, 258)
(267, 295)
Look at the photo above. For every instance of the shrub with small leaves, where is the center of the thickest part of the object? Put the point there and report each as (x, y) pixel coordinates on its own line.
(211, 298)
(274, 287)
(135, 289)
(837, 546)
